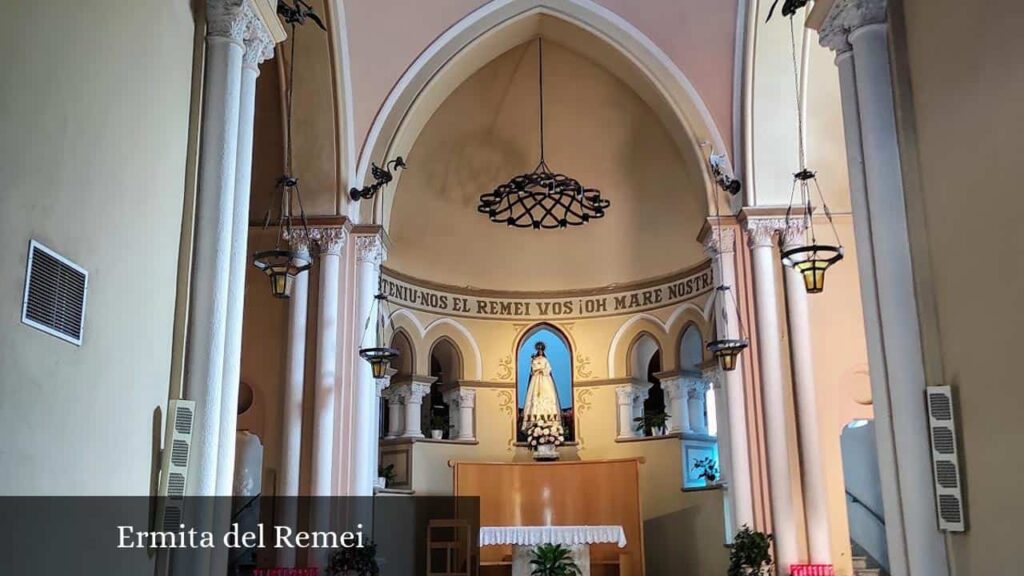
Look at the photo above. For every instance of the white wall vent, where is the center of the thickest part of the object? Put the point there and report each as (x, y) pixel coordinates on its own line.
(174, 464)
(54, 299)
(946, 463)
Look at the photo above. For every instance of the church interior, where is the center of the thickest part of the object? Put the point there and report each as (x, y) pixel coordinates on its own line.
(670, 287)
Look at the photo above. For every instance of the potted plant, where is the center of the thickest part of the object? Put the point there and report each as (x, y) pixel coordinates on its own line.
(553, 560)
(354, 561)
(652, 423)
(545, 438)
(751, 554)
(707, 469)
(385, 475)
(438, 424)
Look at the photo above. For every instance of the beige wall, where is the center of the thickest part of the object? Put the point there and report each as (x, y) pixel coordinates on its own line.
(960, 85)
(93, 139)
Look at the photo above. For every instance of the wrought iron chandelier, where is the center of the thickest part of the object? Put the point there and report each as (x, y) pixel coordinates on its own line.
(725, 349)
(281, 265)
(812, 259)
(378, 355)
(542, 198)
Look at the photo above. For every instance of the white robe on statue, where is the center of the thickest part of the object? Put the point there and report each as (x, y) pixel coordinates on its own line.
(541, 396)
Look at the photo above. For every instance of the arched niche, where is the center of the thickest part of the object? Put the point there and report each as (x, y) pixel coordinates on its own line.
(641, 352)
(406, 361)
(497, 27)
(446, 361)
(620, 353)
(471, 364)
(558, 350)
(691, 349)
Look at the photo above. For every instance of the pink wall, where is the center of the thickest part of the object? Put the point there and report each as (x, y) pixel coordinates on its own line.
(386, 36)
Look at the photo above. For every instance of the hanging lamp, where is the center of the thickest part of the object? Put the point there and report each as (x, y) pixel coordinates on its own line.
(378, 355)
(281, 265)
(813, 259)
(542, 198)
(725, 350)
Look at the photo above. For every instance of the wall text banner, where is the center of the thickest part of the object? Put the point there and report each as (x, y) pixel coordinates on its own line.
(405, 294)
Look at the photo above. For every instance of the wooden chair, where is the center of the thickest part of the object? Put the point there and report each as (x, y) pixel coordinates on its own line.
(448, 548)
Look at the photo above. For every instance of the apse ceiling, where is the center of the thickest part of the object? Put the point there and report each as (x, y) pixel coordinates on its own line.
(597, 129)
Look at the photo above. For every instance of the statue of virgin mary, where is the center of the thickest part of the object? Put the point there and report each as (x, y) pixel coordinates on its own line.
(541, 404)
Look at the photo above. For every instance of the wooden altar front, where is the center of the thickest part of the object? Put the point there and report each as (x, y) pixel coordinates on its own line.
(574, 493)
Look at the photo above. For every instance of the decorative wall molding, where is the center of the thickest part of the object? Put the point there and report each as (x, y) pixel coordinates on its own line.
(406, 292)
(761, 231)
(328, 240)
(720, 241)
(229, 19)
(370, 249)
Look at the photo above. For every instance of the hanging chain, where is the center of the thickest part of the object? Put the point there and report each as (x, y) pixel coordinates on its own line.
(540, 84)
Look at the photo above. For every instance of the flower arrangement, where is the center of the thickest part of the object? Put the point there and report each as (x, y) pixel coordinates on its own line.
(707, 469)
(544, 433)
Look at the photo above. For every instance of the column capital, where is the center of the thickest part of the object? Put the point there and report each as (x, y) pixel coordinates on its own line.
(370, 249)
(844, 17)
(328, 240)
(791, 235)
(720, 241)
(259, 43)
(760, 231)
(229, 19)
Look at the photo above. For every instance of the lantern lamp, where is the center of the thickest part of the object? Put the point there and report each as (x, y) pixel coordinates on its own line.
(812, 262)
(378, 355)
(726, 352)
(281, 266)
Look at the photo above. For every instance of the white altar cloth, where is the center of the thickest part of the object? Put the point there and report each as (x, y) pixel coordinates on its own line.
(565, 535)
(577, 538)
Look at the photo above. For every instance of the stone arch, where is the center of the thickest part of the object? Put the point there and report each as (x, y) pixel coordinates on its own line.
(641, 350)
(498, 26)
(619, 351)
(462, 339)
(449, 356)
(405, 364)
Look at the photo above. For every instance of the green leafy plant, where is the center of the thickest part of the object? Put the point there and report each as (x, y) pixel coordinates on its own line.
(751, 554)
(707, 469)
(387, 473)
(651, 423)
(354, 561)
(553, 560)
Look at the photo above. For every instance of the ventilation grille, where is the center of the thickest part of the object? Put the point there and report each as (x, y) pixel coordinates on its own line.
(54, 294)
(174, 465)
(945, 459)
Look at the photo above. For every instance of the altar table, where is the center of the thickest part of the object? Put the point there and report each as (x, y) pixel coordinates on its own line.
(525, 538)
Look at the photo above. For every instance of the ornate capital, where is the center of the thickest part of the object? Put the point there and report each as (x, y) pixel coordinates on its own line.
(329, 240)
(467, 397)
(760, 231)
(370, 249)
(674, 387)
(624, 394)
(844, 17)
(393, 395)
(792, 234)
(259, 44)
(720, 241)
(229, 19)
(297, 240)
(417, 390)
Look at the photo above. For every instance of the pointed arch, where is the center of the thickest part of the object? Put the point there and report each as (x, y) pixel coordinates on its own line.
(406, 362)
(626, 335)
(498, 26)
(449, 357)
(472, 365)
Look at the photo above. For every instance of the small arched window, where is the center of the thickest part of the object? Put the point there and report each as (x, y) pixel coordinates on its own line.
(559, 355)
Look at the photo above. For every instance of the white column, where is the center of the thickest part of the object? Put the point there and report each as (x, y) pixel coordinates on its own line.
(396, 418)
(624, 399)
(720, 245)
(330, 242)
(451, 400)
(761, 232)
(812, 466)
(382, 385)
(227, 22)
(291, 404)
(697, 389)
(712, 374)
(467, 405)
(903, 357)
(412, 396)
(678, 409)
(259, 46)
(370, 252)
(641, 392)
